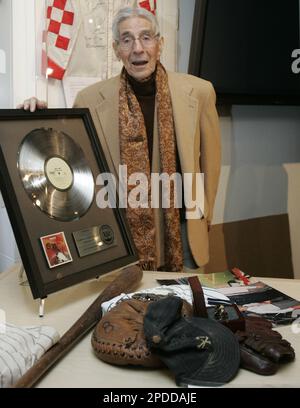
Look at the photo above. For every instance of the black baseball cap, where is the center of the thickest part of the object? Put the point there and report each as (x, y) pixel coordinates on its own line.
(199, 351)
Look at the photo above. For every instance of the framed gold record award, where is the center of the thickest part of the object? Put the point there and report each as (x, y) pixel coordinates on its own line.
(49, 164)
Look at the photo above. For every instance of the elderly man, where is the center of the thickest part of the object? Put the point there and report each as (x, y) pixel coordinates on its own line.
(154, 121)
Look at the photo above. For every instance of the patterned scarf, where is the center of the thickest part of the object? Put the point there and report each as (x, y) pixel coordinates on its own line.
(134, 154)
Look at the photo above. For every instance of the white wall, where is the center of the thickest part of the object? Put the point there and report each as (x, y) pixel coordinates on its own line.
(257, 143)
(24, 57)
(186, 15)
(8, 249)
(5, 54)
(261, 167)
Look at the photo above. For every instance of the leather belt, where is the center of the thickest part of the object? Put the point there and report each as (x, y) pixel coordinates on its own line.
(198, 297)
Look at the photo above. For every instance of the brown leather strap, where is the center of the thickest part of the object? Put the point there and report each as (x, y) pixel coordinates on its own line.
(198, 297)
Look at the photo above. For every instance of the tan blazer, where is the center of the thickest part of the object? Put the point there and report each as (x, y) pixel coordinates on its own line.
(197, 136)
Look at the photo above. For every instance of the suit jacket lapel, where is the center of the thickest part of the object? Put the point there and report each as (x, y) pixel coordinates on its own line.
(185, 108)
(108, 114)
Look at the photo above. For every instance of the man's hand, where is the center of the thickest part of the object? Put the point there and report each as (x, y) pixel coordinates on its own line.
(32, 104)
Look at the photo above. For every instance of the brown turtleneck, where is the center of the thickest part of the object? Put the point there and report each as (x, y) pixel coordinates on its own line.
(145, 93)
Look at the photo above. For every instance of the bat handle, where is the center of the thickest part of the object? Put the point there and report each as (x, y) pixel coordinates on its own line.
(126, 281)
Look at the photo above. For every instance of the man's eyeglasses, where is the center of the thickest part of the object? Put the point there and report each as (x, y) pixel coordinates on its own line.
(147, 41)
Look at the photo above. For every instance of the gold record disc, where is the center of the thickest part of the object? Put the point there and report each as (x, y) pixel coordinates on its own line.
(55, 174)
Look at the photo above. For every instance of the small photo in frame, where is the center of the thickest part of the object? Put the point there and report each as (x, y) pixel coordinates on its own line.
(56, 249)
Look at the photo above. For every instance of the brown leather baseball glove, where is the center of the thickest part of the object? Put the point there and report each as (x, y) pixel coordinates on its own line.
(119, 336)
(262, 348)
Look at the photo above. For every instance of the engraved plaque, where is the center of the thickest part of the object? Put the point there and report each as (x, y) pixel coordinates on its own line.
(92, 240)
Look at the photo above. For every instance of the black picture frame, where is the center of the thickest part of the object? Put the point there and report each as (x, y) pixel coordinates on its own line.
(30, 224)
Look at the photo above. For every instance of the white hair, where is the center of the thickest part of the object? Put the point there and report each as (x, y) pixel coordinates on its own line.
(128, 12)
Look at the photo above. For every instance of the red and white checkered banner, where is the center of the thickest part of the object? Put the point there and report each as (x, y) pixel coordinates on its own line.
(61, 33)
(63, 20)
(149, 5)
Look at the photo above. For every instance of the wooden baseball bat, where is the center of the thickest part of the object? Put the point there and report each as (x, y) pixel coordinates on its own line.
(126, 281)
